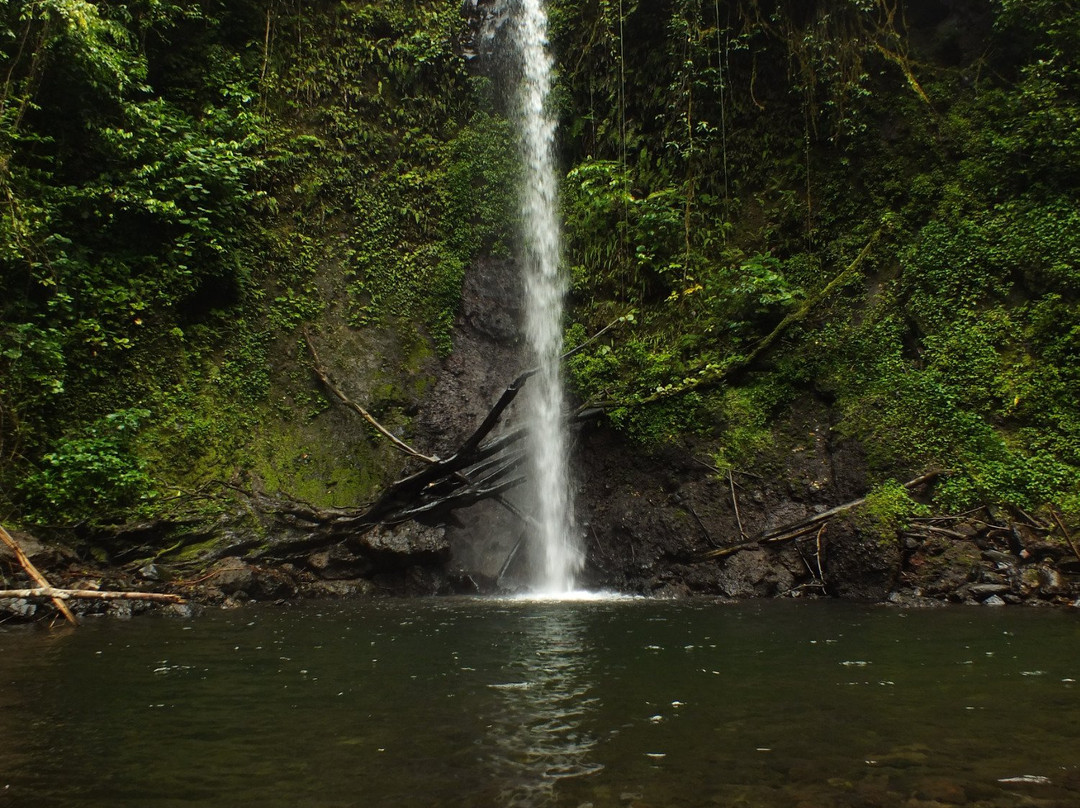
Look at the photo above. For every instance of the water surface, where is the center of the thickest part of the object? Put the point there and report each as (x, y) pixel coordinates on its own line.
(501, 703)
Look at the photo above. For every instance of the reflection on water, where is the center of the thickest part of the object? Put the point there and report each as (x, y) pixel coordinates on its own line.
(538, 723)
(479, 703)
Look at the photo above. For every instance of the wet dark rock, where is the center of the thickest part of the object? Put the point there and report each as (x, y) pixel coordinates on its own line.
(1023, 581)
(487, 355)
(859, 564)
(491, 301)
(754, 573)
(44, 554)
(339, 563)
(407, 541)
(980, 590)
(237, 579)
(233, 575)
(1045, 551)
(121, 610)
(1051, 582)
(19, 608)
(912, 599)
(183, 610)
(339, 589)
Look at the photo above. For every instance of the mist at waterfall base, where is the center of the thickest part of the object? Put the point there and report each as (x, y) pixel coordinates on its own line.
(495, 702)
(562, 556)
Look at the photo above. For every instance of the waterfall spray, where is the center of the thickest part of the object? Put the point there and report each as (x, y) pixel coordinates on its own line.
(544, 291)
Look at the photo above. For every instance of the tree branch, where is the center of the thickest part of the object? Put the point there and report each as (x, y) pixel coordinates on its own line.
(715, 375)
(324, 377)
(799, 529)
(87, 594)
(32, 571)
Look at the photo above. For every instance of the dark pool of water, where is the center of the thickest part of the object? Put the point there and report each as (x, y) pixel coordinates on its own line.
(497, 703)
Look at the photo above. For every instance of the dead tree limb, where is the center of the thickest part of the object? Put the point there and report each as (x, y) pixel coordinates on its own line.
(482, 467)
(617, 321)
(491, 420)
(1065, 533)
(704, 530)
(324, 377)
(735, 504)
(847, 506)
(87, 594)
(944, 531)
(713, 375)
(36, 576)
(820, 568)
(797, 530)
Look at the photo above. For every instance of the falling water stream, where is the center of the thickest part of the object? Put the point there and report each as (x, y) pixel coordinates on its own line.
(544, 290)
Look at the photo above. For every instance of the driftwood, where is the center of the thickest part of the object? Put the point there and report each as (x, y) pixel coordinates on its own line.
(61, 595)
(45, 590)
(37, 577)
(797, 530)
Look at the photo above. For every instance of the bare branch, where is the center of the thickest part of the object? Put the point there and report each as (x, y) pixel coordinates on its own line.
(324, 377)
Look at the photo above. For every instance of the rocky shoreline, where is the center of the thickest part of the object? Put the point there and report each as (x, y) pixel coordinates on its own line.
(970, 562)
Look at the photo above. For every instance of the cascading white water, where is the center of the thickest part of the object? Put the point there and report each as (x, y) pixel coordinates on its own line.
(544, 291)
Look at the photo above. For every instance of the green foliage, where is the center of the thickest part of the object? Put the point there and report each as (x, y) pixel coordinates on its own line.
(887, 510)
(185, 184)
(764, 147)
(744, 421)
(417, 176)
(91, 475)
(126, 213)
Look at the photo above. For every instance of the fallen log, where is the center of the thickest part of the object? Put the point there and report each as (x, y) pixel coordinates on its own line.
(61, 595)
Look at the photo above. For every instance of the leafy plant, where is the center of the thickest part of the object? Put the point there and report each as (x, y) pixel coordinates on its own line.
(91, 475)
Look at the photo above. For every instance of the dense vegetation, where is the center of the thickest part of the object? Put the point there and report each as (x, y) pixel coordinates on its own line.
(873, 203)
(869, 202)
(187, 183)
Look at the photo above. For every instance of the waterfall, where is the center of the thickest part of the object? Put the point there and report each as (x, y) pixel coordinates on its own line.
(544, 292)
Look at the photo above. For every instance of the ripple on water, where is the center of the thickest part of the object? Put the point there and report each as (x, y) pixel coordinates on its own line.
(574, 596)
